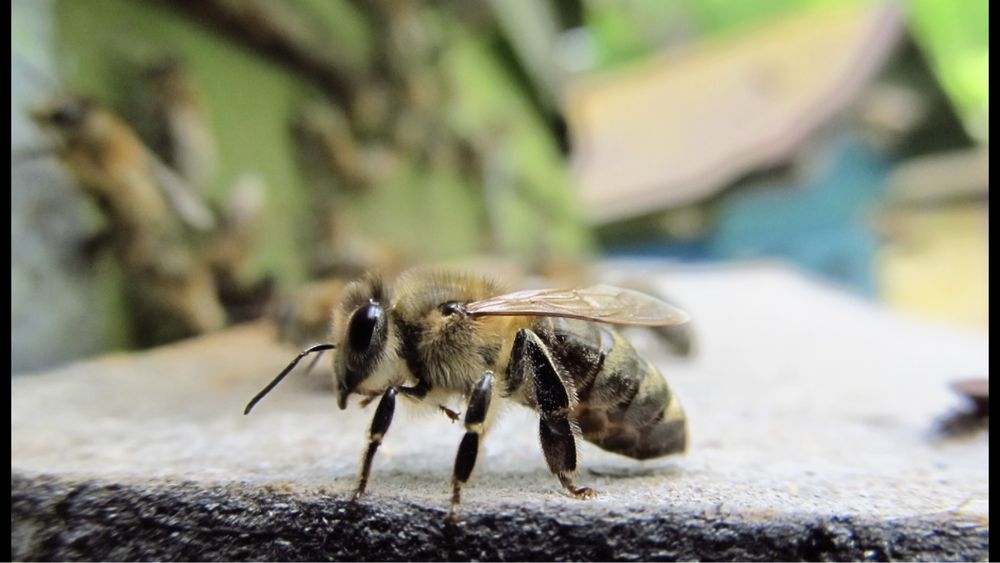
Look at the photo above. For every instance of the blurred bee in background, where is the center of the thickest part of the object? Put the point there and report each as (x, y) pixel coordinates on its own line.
(174, 121)
(244, 295)
(974, 416)
(180, 131)
(304, 316)
(329, 146)
(433, 337)
(339, 169)
(151, 212)
(111, 162)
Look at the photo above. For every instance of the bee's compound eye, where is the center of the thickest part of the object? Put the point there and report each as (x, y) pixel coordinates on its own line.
(362, 325)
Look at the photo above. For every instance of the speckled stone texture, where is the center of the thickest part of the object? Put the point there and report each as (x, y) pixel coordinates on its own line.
(816, 433)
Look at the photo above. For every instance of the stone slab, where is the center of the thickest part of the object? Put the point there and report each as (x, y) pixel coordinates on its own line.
(815, 423)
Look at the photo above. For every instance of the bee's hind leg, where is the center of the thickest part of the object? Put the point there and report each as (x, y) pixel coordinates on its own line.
(468, 450)
(553, 398)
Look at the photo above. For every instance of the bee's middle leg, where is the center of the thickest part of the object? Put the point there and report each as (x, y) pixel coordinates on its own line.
(468, 450)
(454, 416)
(553, 398)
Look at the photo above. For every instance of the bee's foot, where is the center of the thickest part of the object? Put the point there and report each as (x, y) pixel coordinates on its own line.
(452, 518)
(578, 492)
(356, 497)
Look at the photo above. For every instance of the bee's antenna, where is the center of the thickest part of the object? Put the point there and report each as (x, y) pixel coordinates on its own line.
(315, 360)
(317, 348)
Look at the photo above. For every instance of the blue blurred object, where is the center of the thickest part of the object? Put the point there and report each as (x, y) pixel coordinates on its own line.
(822, 224)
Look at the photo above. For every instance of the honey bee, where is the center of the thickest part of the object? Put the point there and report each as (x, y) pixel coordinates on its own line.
(108, 159)
(182, 133)
(434, 336)
(150, 212)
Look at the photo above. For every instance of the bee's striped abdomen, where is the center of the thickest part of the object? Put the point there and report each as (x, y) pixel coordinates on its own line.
(623, 403)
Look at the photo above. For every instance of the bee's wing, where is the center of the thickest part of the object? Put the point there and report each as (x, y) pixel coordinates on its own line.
(600, 303)
(189, 206)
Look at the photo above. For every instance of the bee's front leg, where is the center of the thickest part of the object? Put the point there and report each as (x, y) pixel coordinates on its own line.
(468, 450)
(553, 399)
(380, 425)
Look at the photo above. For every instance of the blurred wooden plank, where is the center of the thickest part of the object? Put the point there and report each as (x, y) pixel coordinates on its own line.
(678, 128)
(942, 177)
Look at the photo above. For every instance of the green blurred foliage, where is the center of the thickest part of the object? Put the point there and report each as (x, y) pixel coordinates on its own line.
(714, 16)
(956, 36)
(953, 33)
(631, 29)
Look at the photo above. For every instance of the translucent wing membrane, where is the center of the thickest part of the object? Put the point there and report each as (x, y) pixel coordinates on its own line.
(600, 303)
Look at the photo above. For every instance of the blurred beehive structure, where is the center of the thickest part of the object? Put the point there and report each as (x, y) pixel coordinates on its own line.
(683, 126)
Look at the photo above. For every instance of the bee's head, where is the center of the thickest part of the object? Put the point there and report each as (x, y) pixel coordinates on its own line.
(365, 338)
(65, 115)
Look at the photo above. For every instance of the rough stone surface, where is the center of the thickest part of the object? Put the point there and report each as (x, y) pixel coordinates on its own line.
(60, 520)
(815, 434)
